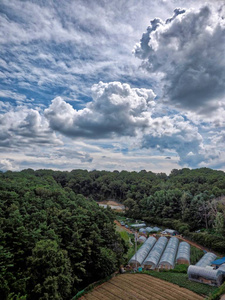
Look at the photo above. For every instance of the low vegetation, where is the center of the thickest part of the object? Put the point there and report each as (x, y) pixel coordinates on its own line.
(182, 280)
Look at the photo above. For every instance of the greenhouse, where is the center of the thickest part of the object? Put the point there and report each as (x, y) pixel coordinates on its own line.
(142, 230)
(156, 229)
(183, 254)
(206, 260)
(205, 275)
(169, 255)
(152, 259)
(141, 254)
(142, 239)
(148, 229)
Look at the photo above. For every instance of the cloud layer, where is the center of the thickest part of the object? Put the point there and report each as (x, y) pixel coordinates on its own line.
(188, 51)
(106, 112)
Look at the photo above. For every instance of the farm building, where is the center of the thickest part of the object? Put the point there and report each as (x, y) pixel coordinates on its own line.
(206, 260)
(153, 257)
(140, 225)
(170, 231)
(168, 258)
(141, 254)
(219, 262)
(183, 254)
(205, 275)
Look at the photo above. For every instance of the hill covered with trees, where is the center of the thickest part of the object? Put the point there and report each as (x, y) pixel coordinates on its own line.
(55, 239)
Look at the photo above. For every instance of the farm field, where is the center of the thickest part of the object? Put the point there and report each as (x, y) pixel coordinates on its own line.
(139, 286)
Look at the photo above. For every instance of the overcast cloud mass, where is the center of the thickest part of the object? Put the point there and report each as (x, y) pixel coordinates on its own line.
(112, 85)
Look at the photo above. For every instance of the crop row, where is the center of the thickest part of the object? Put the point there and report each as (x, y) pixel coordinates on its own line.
(141, 287)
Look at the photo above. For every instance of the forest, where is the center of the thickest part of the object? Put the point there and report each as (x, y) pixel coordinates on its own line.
(55, 240)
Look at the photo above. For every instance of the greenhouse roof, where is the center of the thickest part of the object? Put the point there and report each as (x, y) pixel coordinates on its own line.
(142, 239)
(156, 252)
(170, 251)
(143, 251)
(149, 229)
(203, 272)
(183, 251)
(206, 260)
(138, 225)
(218, 261)
(156, 229)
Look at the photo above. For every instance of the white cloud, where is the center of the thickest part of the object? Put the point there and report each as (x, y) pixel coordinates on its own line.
(116, 109)
(188, 51)
(8, 164)
(23, 127)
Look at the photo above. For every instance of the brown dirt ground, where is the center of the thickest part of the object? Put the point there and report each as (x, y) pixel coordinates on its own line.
(140, 287)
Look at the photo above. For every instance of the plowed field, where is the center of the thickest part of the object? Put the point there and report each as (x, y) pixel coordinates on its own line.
(139, 286)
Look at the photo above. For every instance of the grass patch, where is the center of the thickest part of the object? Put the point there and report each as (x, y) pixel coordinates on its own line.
(182, 280)
(217, 293)
(196, 254)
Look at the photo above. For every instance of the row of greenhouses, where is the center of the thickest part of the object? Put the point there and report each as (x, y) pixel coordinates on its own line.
(161, 253)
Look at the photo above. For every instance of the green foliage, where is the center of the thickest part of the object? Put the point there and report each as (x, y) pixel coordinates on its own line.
(53, 242)
(50, 271)
(182, 280)
(217, 293)
(196, 255)
(179, 269)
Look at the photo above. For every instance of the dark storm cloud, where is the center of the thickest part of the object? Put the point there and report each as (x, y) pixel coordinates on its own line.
(188, 50)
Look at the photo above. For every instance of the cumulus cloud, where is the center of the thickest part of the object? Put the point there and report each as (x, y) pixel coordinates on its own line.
(116, 110)
(21, 126)
(8, 164)
(187, 51)
(173, 133)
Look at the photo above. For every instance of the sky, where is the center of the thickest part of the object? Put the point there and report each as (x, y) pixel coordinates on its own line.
(112, 85)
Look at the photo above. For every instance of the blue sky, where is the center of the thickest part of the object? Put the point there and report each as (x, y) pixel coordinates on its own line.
(112, 85)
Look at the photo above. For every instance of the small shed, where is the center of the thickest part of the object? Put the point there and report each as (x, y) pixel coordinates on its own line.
(153, 257)
(206, 260)
(205, 275)
(168, 258)
(141, 254)
(183, 254)
(170, 231)
(218, 262)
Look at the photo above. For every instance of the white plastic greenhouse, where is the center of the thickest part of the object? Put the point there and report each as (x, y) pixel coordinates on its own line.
(148, 229)
(152, 259)
(183, 254)
(142, 239)
(205, 275)
(206, 260)
(141, 254)
(168, 258)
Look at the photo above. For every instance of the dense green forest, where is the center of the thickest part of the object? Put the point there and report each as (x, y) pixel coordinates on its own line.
(55, 239)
